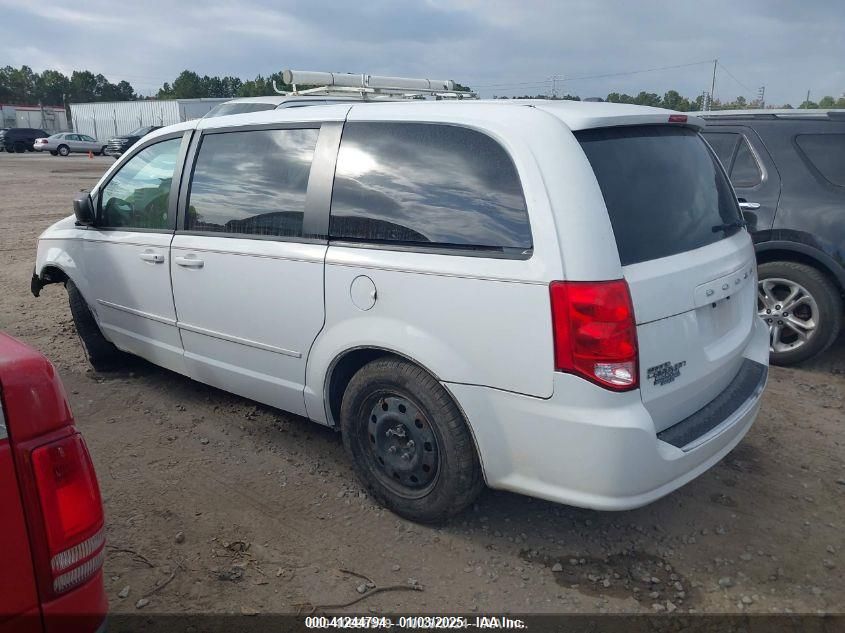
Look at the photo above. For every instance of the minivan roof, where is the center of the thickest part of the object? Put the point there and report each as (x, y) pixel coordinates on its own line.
(576, 115)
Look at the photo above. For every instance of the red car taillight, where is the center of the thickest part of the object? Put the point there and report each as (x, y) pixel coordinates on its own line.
(595, 333)
(71, 511)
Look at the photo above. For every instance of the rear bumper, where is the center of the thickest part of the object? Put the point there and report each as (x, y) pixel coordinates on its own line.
(591, 448)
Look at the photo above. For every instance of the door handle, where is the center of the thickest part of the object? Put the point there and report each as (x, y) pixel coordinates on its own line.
(748, 206)
(189, 262)
(155, 258)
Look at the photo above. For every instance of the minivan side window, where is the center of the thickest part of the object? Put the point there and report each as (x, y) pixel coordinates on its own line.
(826, 152)
(137, 196)
(252, 182)
(427, 185)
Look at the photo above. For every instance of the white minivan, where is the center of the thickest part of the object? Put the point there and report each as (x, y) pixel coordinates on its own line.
(554, 298)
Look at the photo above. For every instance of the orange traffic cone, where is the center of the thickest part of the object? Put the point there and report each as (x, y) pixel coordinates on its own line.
(90, 154)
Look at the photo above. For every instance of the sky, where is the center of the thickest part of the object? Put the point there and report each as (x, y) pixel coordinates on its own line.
(497, 47)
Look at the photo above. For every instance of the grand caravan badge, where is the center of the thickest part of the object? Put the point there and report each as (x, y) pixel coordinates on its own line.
(664, 373)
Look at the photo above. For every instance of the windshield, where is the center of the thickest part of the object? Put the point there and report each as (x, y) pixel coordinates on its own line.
(224, 109)
(141, 131)
(664, 189)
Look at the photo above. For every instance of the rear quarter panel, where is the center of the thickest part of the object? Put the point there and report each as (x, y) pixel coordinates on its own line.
(472, 320)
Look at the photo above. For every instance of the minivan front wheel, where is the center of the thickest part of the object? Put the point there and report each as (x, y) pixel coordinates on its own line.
(801, 307)
(408, 441)
(101, 353)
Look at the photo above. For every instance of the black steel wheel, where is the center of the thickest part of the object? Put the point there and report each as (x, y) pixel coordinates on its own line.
(403, 447)
(408, 441)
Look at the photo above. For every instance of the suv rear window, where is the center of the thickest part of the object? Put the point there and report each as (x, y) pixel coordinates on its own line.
(826, 152)
(430, 185)
(664, 189)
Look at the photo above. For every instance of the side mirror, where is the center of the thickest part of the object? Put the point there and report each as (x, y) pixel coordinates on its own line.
(83, 207)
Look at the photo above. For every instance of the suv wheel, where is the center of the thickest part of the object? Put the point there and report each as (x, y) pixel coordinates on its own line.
(408, 441)
(102, 354)
(20, 147)
(802, 308)
(63, 150)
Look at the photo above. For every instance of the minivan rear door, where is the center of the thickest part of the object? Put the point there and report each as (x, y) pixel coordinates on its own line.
(688, 262)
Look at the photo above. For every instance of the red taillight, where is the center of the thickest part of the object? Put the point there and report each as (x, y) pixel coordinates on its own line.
(677, 118)
(595, 333)
(71, 511)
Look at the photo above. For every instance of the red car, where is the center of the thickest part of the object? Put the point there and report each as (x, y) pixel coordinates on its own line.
(51, 514)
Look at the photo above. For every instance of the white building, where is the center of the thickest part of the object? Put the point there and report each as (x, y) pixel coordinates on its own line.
(48, 118)
(105, 119)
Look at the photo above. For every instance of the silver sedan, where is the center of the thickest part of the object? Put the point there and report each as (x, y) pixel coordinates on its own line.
(67, 142)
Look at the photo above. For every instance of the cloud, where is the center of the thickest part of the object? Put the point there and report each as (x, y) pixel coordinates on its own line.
(506, 47)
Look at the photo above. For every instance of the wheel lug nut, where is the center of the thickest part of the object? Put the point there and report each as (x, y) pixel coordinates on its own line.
(780, 322)
(777, 307)
(768, 311)
(786, 314)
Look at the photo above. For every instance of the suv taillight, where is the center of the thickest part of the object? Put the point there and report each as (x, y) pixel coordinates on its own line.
(71, 512)
(595, 333)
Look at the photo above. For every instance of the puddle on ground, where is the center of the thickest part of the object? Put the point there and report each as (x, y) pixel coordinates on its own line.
(645, 578)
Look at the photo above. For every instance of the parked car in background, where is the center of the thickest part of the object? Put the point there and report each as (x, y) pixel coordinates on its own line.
(470, 292)
(20, 139)
(119, 144)
(67, 142)
(788, 170)
(52, 515)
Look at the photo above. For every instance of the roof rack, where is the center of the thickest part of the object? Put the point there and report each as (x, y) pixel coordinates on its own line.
(773, 114)
(370, 86)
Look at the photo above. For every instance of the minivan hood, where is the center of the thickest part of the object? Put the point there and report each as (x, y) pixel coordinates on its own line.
(62, 225)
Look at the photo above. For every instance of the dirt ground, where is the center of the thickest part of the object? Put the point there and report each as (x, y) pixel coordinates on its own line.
(217, 504)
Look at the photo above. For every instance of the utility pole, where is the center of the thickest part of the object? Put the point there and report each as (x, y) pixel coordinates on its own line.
(807, 102)
(554, 79)
(761, 96)
(713, 84)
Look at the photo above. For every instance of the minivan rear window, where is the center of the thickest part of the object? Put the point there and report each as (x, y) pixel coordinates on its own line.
(664, 189)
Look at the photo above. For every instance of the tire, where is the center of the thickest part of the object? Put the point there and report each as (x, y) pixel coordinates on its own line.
(63, 150)
(102, 151)
(390, 402)
(818, 301)
(102, 354)
(53, 152)
(20, 148)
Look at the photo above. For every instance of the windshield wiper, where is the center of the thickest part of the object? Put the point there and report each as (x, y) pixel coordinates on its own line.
(727, 226)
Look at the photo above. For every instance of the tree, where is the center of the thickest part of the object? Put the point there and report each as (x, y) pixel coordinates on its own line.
(83, 87)
(188, 85)
(827, 102)
(19, 85)
(674, 101)
(52, 86)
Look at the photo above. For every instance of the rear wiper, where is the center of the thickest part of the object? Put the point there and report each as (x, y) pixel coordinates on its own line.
(736, 224)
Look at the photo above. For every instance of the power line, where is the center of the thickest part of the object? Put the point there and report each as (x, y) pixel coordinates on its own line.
(601, 76)
(730, 74)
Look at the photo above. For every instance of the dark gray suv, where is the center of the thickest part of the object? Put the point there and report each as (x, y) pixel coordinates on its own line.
(788, 170)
